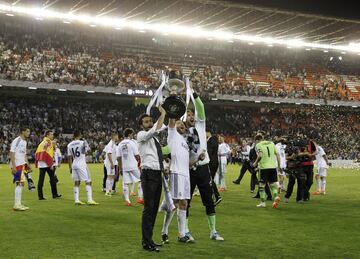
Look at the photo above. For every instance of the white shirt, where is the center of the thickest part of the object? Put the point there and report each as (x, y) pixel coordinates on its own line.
(321, 163)
(245, 152)
(280, 148)
(223, 152)
(127, 150)
(18, 146)
(77, 149)
(147, 149)
(57, 157)
(110, 148)
(179, 153)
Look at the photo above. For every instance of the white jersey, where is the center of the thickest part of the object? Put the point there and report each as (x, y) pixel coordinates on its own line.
(280, 148)
(321, 163)
(223, 151)
(18, 146)
(127, 150)
(179, 153)
(77, 149)
(110, 148)
(57, 157)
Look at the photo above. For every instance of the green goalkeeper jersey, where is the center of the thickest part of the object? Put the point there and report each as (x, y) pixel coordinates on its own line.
(268, 154)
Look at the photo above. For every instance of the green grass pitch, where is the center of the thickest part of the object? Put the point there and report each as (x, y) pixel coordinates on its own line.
(327, 227)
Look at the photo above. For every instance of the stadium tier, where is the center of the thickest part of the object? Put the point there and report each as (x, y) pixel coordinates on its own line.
(56, 54)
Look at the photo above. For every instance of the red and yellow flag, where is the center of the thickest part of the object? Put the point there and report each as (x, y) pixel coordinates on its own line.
(45, 152)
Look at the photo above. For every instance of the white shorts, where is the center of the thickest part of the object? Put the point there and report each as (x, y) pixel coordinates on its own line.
(109, 171)
(282, 172)
(322, 171)
(180, 186)
(131, 176)
(81, 174)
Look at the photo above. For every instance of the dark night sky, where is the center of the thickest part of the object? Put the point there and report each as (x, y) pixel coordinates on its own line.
(335, 8)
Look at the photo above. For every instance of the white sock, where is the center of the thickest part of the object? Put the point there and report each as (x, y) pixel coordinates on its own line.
(126, 192)
(323, 184)
(167, 220)
(187, 226)
(76, 193)
(108, 185)
(140, 192)
(89, 192)
(133, 187)
(29, 175)
(318, 184)
(181, 222)
(18, 190)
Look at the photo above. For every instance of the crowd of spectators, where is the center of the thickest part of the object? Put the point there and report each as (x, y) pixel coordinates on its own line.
(74, 59)
(337, 130)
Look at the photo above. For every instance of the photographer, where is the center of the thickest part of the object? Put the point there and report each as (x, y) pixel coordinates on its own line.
(294, 170)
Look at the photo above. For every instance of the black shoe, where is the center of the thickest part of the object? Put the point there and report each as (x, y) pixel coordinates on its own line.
(236, 182)
(184, 239)
(154, 244)
(269, 198)
(57, 196)
(42, 199)
(165, 239)
(151, 248)
(217, 201)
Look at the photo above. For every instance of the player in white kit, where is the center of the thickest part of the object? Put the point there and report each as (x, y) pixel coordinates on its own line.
(129, 163)
(322, 166)
(110, 162)
(76, 151)
(223, 152)
(179, 173)
(19, 164)
(280, 148)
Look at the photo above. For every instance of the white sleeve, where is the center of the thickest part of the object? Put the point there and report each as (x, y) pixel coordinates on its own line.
(146, 135)
(135, 148)
(171, 135)
(118, 151)
(107, 149)
(13, 146)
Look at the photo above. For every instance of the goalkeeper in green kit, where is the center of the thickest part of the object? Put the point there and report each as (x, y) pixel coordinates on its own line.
(266, 161)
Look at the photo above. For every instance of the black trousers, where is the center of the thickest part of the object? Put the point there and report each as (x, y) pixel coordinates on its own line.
(247, 167)
(299, 176)
(202, 179)
(105, 177)
(213, 169)
(51, 174)
(309, 172)
(151, 184)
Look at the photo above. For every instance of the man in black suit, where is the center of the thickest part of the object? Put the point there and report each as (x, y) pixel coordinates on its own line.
(212, 149)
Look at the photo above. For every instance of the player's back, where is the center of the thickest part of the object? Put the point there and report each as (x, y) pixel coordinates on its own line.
(127, 151)
(268, 154)
(77, 150)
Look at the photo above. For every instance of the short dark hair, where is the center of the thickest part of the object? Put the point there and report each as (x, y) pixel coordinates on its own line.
(22, 129)
(128, 132)
(142, 116)
(48, 131)
(77, 133)
(259, 137)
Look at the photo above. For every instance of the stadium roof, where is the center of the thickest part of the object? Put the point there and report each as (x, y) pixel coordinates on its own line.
(211, 15)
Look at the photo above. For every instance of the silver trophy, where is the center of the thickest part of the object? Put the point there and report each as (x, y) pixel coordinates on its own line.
(174, 105)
